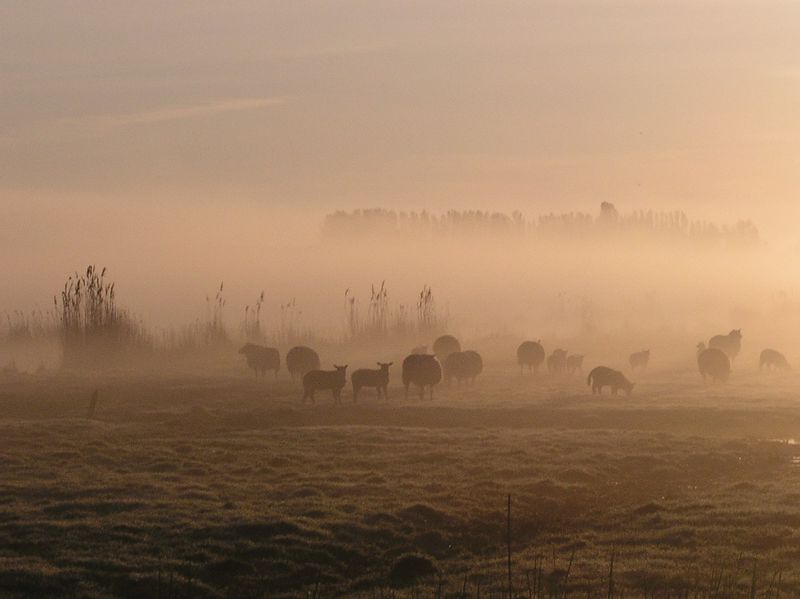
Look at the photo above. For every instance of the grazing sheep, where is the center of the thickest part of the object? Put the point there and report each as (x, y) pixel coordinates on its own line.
(463, 366)
(713, 362)
(444, 346)
(319, 380)
(371, 377)
(557, 361)
(423, 370)
(574, 363)
(731, 343)
(261, 358)
(300, 360)
(773, 359)
(603, 376)
(639, 360)
(530, 354)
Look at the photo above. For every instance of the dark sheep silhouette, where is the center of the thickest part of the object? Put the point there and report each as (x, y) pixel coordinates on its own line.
(640, 360)
(731, 343)
(444, 346)
(713, 362)
(423, 370)
(463, 366)
(530, 354)
(602, 376)
(321, 380)
(300, 360)
(773, 359)
(557, 361)
(261, 358)
(371, 377)
(574, 363)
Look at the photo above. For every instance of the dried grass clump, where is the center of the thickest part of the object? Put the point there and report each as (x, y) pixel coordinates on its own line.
(94, 330)
(251, 326)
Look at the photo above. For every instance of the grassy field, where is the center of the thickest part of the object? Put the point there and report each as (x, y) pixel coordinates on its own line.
(224, 487)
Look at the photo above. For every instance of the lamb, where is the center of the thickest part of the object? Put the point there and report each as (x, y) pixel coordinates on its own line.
(370, 377)
(602, 376)
(463, 366)
(773, 359)
(574, 363)
(713, 362)
(530, 354)
(731, 343)
(300, 360)
(261, 358)
(557, 361)
(316, 380)
(423, 370)
(444, 346)
(639, 360)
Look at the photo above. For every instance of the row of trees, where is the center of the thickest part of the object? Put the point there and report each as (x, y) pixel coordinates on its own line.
(674, 225)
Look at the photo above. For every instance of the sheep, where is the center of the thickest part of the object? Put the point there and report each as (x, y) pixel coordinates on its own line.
(773, 359)
(370, 377)
(639, 360)
(713, 362)
(602, 376)
(465, 365)
(731, 343)
(557, 361)
(261, 358)
(423, 370)
(444, 346)
(530, 354)
(574, 363)
(300, 360)
(316, 380)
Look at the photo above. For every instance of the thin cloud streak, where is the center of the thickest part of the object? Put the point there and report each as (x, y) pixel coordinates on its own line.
(64, 129)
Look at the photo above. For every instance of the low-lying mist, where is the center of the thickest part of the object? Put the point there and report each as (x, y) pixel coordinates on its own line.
(611, 282)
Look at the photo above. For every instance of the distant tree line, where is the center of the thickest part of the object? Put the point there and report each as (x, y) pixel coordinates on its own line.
(674, 225)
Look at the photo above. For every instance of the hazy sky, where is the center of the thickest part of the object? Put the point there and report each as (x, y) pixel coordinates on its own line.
(121, 119)
(375, 102)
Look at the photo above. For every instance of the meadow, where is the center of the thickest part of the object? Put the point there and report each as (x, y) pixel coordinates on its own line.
(181, 485)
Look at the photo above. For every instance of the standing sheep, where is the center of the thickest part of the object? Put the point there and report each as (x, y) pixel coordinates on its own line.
(463, 366)
(320, 380)
(773, 359)
(731, 343)
(300, 360)
(602, 376)
(557, 361)
(530, 354)
(261, 358)
(370, 377)
(444, 346)
(574, 363)
(713, 362)
(422, 370)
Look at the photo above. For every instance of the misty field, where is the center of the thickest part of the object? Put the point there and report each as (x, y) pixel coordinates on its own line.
(224, 487)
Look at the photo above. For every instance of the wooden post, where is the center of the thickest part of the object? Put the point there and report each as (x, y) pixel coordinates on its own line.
(508, 543)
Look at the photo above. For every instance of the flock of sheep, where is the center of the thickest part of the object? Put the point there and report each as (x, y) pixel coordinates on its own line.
(448, 361)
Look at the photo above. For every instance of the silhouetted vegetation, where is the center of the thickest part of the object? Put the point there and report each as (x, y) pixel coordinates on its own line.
(383, 322)
(672, 226)
(94, 330)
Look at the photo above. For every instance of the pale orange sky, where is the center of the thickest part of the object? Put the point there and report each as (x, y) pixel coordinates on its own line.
(261, 109)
